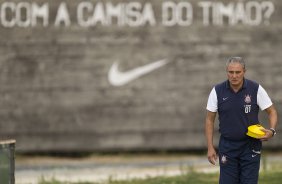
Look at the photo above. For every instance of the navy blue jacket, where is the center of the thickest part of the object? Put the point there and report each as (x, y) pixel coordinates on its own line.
(238, 110)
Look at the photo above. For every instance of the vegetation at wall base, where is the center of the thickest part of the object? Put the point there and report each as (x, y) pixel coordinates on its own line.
(269, 177)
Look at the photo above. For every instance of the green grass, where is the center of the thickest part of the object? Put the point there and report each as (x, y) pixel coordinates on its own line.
(270, 177)
(184, 179)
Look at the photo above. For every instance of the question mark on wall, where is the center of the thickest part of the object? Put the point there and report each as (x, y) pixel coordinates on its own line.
(269, 9)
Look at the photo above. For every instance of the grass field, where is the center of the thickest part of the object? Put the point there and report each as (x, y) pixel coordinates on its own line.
(269, 177)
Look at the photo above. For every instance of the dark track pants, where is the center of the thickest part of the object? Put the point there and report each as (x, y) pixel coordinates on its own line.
(239, 161)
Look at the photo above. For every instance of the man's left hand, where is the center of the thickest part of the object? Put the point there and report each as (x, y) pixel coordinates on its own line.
(268, 134)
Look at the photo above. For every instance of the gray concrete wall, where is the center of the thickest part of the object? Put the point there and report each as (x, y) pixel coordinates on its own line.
(54, 89)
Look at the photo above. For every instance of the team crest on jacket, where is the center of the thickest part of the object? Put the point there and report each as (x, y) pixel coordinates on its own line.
(223, 159)
(248, 98)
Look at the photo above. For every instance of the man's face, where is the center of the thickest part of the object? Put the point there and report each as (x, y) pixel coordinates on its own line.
(235, 74)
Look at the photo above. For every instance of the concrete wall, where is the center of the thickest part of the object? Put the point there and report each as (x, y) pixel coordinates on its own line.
(54, 89)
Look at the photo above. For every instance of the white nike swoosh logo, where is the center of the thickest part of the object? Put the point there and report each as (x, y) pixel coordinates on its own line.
(117, 78)
(257, 152)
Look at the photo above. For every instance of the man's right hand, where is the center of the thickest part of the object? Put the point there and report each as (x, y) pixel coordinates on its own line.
(212, 156)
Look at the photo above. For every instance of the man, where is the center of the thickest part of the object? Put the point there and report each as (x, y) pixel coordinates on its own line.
(237, 102)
